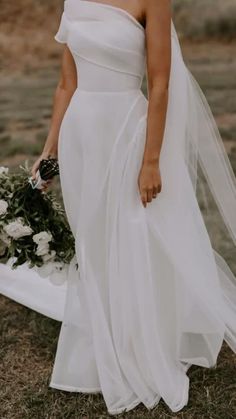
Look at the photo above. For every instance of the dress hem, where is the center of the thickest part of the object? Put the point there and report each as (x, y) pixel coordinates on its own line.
(123, 409)
(75, 389)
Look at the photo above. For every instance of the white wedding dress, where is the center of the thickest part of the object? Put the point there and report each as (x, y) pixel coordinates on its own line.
(151, 297)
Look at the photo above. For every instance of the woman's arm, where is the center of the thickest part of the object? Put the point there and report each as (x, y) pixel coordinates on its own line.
(158, 43)
(64, 91)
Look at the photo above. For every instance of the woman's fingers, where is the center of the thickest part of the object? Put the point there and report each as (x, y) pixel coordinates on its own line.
(155, 191)
(33, 172)
(46, 184)
(144, 198)
(149, 194)
(36, 165)
(149, 182)
(35, 169)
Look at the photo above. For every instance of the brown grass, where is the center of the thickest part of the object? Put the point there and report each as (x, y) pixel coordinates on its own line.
(26, 36)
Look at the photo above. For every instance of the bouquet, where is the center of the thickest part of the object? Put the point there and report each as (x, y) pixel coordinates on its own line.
(33, 226)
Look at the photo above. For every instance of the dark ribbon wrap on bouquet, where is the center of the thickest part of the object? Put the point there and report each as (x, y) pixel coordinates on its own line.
(48, 169)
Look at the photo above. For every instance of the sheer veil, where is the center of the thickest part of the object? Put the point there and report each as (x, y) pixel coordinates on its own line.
(203, 148)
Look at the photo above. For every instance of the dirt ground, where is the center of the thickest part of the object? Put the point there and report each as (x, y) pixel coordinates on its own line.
(28, 340)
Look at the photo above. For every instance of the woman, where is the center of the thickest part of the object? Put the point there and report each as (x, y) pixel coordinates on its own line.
(151, 297)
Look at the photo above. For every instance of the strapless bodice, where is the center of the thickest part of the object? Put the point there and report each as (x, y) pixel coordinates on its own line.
(107, 43)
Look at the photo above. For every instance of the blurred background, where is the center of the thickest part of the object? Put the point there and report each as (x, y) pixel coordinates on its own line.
(29, 70)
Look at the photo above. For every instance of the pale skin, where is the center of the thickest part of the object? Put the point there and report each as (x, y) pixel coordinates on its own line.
(155, 15)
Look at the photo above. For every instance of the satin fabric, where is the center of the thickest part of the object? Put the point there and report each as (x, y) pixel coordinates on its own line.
(151, 297)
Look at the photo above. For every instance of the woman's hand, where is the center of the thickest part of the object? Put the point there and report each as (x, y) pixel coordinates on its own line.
(35, 168)
(149, 182)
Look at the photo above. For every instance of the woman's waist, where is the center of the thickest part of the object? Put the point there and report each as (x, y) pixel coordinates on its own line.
(92, 77)
(108, 84)
(105, 105)
(108, 97)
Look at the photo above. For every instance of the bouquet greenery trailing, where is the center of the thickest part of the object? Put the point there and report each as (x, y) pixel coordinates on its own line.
(33, 226)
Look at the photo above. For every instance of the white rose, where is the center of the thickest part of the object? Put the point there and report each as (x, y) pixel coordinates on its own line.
(56, 272)
(3, 207)
(16, 229)
(59, 266)
(4, 170)
(42, 249)
(59, 274)
(50, 256)
(45, 270)
(42, 237)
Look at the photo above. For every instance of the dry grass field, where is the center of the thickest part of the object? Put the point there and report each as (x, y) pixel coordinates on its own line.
(28, 76)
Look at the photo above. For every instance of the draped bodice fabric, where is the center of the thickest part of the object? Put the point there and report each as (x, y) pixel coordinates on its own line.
(103, 62)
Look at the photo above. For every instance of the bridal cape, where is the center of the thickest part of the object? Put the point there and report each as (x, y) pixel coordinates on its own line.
(151, 297)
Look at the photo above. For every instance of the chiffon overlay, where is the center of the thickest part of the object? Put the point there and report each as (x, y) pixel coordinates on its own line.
(151, 297)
